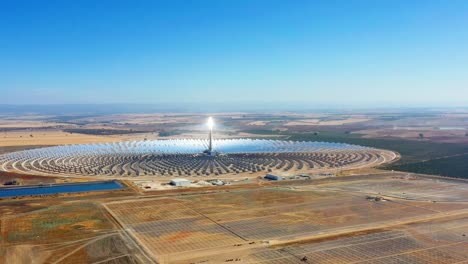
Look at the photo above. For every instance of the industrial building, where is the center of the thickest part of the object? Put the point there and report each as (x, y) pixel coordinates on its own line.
(273, 177)
(180, 182)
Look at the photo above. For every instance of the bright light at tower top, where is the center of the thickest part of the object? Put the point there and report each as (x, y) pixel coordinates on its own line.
(210, 122)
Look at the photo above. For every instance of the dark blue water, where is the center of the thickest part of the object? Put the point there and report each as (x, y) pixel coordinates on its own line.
(60, 188)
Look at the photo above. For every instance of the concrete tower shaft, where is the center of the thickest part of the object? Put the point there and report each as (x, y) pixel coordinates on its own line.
(210, 127)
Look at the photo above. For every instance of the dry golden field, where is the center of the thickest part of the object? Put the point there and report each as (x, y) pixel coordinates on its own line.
(440, 127)
(44, 138)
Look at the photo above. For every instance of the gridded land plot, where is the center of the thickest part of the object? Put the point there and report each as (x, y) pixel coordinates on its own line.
(221, 221)
(415, 188)
(283, 214)
(420, 244)
(402, 245)
(170, 226)
(78, 232)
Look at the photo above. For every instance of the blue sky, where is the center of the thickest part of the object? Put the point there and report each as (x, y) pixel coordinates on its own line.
(346, 52)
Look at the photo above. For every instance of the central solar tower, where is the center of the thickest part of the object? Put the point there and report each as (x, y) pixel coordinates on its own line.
(210, 127)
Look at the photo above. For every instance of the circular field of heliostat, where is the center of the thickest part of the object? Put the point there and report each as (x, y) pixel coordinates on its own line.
(186, 157)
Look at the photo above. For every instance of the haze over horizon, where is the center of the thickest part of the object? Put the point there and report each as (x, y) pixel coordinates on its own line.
(338, 53)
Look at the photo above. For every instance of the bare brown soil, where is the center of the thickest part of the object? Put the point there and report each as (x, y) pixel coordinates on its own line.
(61, 232)
(26, 179)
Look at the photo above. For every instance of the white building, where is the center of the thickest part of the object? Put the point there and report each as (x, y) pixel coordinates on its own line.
(180, 182)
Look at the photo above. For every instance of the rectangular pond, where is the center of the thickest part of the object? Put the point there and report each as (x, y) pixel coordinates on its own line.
(60, 188)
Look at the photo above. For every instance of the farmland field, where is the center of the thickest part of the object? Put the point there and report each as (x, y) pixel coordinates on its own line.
(455, 166)
(77, 232)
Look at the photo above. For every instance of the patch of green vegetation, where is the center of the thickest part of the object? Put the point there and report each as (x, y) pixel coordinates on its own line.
(333, 118)
(411, 151)
(69, 118)
(20, 236)
(270, 118)
(452, 166)
(263, 132)
(44, 222)
(47, 224)
(416, 156)
(39, 227)
(389, 118)
(419, 115)
(164, 133)
(324, 136)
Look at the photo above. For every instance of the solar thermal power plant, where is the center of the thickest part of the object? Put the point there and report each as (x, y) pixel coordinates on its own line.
(191, 157)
